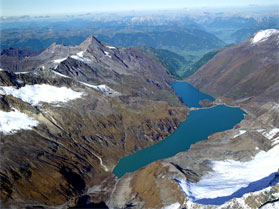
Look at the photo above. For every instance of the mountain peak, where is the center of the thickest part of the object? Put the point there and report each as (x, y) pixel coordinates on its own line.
(264, 35)
(91, 41)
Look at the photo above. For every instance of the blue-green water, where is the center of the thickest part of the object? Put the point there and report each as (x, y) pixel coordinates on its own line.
(189, 94)
(198, 126)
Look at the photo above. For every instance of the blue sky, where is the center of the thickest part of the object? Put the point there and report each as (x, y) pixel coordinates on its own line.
(43, 7)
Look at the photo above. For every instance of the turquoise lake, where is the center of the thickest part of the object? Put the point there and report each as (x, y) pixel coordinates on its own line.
(198, 126)
(189, 94)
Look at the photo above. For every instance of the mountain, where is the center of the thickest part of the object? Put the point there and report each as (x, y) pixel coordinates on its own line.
(186, 41)
(177, 65)
(245, 32)
(191, 69)
(18, 53)
(70, 113)
(251, 68)
(174, 63)
(231, 169)
(190, 39)
(237, 27)
(231, 22)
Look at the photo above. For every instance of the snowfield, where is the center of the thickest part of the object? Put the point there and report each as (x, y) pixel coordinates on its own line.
(34, 94)
(230, 176)
(172, 206)
(263, 35)
(10, 122)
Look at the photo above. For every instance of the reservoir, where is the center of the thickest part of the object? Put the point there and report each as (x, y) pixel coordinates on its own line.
(189, 94)
(198, 126)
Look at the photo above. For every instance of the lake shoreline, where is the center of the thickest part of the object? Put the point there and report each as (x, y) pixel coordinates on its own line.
(212, 120)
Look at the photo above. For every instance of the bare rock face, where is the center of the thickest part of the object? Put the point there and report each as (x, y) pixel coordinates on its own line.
(67, 142)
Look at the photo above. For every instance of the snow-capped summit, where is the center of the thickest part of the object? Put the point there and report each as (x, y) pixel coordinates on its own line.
(263, 35)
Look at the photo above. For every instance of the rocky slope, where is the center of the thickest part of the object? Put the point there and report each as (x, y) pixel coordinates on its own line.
(70, 113)
(249, 69)
(237, 168)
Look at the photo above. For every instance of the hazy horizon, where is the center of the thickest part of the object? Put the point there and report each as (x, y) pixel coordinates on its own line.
(52, 7)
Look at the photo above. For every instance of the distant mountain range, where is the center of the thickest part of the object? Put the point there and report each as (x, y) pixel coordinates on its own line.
(188, 39)
(19, 54)
(245, 32)
(188, 34)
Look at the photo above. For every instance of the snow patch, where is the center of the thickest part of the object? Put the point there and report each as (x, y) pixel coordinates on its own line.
(2, 69)
(275, 107)
(11, 122)
(57, 61)
(240, 132)
(172, 206)
(275, 141)
(111, 47)
(80, 54)
(19, 81)
(103, 88)
(79, 57)
(263, 35)
(18, 73)
(224, 180)
(60, 74)
(107, 90)
(89, 85)
(34, 94)
(107, 54)
(271, 133)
